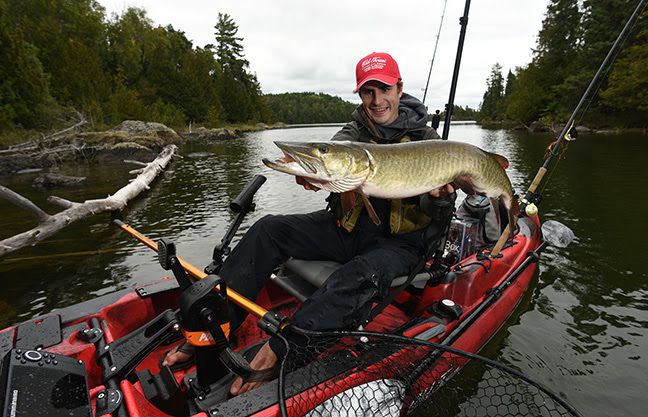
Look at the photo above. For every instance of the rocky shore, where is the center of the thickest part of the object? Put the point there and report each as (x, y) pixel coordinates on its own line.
(142, 141)
(538, 127)
(136, 140)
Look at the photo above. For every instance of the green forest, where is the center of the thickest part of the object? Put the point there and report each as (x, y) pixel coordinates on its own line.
(574, 40)
(296, 108)
(64, 60)
(63, 55)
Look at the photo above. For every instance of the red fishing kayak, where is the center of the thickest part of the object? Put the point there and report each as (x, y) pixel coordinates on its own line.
(101, 357)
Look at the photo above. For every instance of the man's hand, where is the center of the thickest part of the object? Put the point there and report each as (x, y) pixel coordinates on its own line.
(443, 190)
(264, 359)
(307, 185)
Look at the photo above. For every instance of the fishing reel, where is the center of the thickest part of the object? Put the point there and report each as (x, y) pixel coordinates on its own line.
(529, 204)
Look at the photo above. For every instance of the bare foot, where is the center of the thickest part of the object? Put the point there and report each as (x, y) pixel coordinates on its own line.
(264, 359)
(179, 354)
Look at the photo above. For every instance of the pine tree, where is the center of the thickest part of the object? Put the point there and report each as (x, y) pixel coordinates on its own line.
(627, 89)
(511, 80)
(229, 50)
(240, 90)
(542, 88)
(492, 107)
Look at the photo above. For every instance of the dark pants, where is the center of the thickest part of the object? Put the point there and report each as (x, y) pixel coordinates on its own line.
(370, 262)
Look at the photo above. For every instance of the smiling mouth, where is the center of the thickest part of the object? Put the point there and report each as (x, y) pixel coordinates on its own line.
(379, 110)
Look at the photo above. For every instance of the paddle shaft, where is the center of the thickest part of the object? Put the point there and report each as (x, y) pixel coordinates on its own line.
(232, 295)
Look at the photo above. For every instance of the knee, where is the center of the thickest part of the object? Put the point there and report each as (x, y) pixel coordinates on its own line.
(269, 225)
(360, 275)
(379, 277)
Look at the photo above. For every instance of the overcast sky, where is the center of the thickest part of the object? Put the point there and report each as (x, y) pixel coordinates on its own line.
(297, 45)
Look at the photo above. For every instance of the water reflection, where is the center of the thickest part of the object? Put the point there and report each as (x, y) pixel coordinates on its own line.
(581, 328)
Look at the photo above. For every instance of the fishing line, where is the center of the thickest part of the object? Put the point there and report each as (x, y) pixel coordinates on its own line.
(555, 166)
(70, 254)
(435, 51)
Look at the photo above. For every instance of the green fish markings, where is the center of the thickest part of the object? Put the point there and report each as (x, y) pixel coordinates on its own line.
(398, 170)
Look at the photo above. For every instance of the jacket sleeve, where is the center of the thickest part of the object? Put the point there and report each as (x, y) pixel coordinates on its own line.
(431, 134)
(350, 132)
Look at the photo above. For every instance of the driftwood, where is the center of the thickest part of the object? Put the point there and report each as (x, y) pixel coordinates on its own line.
(50, 224)
(82, 121)
(33, 144)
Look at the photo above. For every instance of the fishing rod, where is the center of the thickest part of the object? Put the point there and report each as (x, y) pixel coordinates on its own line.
(435, 51)
(530, 200)
(569, 124)
(463, 21)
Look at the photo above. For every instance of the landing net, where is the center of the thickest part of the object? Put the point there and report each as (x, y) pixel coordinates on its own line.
(374, 374)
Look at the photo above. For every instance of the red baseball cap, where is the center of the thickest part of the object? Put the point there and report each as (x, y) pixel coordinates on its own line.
(379, 66)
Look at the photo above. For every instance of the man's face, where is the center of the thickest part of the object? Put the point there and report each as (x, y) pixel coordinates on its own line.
(381, 101)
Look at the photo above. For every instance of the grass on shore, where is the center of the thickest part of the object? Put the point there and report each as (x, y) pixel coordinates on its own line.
(19, 136)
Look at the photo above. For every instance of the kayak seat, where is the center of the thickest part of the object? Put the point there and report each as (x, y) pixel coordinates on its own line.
(302, 278)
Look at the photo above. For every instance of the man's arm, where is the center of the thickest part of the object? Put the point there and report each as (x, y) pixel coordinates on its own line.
(350, 132)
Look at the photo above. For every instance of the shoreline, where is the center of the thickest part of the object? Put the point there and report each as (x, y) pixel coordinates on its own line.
(144, 140)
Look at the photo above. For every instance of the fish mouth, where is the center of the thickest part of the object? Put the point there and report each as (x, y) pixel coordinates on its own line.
(295, 160)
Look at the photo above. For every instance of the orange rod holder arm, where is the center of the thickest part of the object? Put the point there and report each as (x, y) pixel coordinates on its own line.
(232, 295)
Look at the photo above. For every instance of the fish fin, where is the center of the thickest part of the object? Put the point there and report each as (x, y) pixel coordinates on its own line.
(496, 209)
(465, 183)
(512, 214)
(370, 209)
(501, 160)
(348, 201)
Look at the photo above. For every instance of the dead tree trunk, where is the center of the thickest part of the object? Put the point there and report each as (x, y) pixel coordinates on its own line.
(50, 224)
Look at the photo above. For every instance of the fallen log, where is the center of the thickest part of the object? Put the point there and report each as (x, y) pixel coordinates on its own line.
(50, 224)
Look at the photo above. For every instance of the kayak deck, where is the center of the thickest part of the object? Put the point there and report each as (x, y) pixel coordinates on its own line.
(417, 313)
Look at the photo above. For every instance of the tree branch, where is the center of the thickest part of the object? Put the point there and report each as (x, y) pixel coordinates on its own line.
(49, 225)
(23, 203)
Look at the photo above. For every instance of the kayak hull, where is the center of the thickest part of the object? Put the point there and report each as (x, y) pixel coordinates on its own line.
(478, 285)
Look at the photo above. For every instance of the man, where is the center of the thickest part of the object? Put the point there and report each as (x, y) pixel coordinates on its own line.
(436, 120)
(372, 256)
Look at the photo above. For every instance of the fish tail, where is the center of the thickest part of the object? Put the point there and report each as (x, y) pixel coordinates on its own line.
(515, 206)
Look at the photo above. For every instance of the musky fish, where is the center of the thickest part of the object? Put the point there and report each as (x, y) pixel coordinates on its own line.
(397, 171)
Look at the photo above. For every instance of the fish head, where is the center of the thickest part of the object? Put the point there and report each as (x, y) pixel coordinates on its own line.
(333, 166)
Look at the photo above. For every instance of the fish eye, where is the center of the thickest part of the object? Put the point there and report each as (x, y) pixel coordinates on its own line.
(323, 148)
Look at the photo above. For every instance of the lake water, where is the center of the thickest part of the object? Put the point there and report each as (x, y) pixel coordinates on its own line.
(581, 329)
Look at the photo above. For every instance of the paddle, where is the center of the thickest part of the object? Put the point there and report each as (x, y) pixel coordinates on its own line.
(232, 295)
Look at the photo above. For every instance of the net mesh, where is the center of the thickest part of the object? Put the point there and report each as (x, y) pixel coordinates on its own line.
(372, 374)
